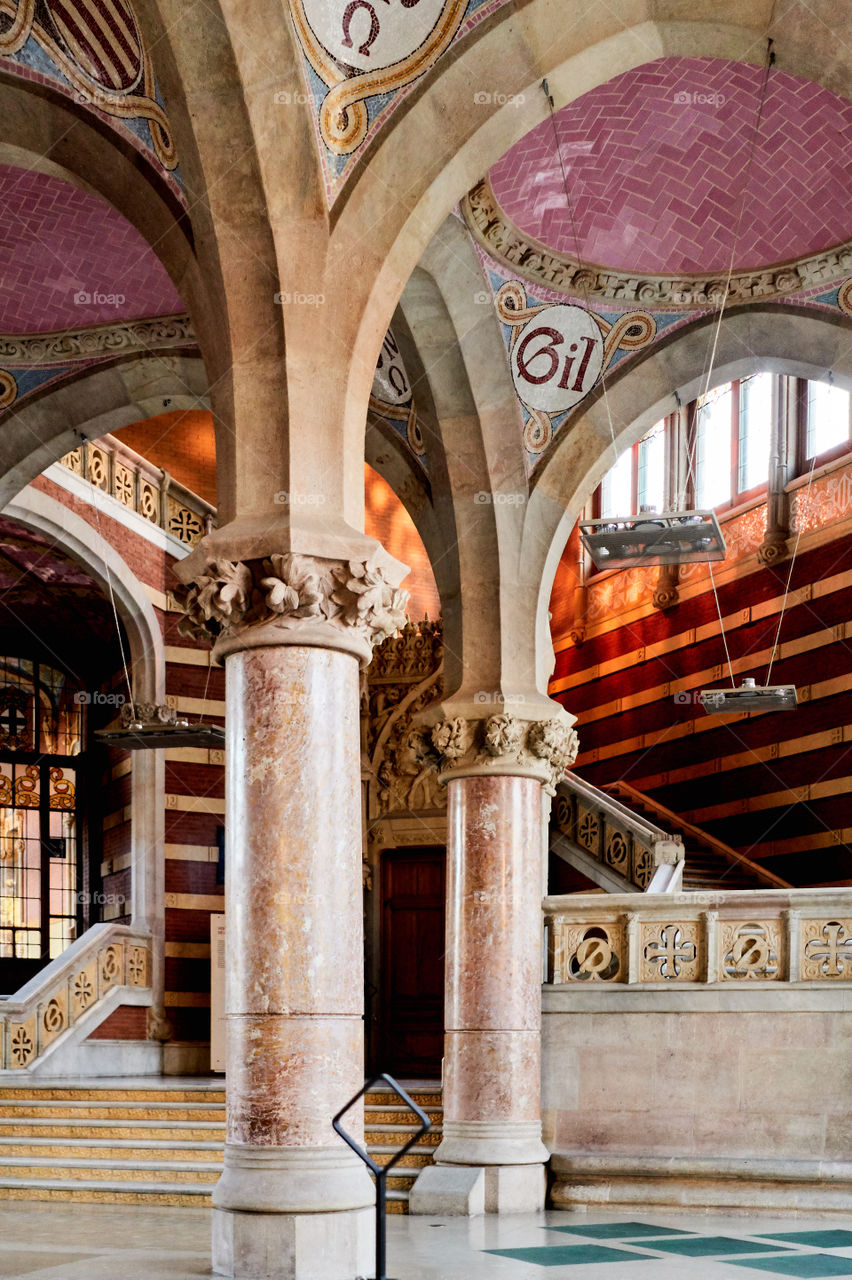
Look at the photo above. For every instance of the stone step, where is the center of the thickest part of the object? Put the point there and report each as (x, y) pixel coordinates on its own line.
(396, 1134)
(114, 1130)
(100, 1171)
(112, 1151)
(424, 1098)
(400, 1115)
(163, 1145)
(151, 1193)
(413, 1159)
(93, 1093)
(33, 1109)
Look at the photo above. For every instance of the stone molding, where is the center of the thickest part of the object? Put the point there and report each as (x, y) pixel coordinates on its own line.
(28, 351)
(291, 599)
(499, 744)
(499, 236)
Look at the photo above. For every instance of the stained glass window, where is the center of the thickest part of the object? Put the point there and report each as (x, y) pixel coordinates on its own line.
(41, 733)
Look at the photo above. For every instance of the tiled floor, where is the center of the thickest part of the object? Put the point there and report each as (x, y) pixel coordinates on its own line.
(111, 1242)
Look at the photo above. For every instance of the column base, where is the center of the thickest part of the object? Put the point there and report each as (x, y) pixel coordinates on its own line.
(281, 1180)
(293, 1246)
(465, 1191)
(486, 1142)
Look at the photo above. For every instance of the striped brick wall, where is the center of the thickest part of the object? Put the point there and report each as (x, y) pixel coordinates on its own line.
(775, 786)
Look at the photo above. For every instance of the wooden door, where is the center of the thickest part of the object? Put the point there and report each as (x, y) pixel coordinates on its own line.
(412, 1014)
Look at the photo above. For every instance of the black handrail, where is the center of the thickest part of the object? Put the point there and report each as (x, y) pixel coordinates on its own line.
(380, 1172)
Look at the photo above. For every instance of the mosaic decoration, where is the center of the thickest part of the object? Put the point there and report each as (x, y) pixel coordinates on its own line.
(558, 354)
(660, 149)
(391, 397)
(361, 57)
(97, 48)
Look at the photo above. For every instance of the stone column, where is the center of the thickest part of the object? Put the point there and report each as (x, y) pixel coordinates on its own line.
(492, 1156)
(293, 1200)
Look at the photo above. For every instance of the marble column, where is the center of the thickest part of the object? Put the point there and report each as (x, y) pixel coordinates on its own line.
(293, 1200)
(495, 771)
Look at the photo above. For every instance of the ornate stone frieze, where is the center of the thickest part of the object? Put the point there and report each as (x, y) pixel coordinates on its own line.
(533, 260)
(29, 351)
(507, 744)
(293, 599)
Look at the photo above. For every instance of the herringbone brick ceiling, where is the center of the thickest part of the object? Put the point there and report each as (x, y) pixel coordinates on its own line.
(656, 160)
(68, 260)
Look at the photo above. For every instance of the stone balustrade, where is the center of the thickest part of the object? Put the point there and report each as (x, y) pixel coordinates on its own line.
(611, 844)
(144, 488)
(758, 936)
(92, 976)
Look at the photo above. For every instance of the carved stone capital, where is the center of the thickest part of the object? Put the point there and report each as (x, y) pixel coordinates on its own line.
(505, 744)
(292, 599)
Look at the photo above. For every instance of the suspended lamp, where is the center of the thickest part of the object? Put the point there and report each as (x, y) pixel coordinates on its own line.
(674, 537)
(750, 696)
(148, 726)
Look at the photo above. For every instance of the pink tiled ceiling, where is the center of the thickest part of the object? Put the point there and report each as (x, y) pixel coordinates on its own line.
(57, 242)
(655, 161)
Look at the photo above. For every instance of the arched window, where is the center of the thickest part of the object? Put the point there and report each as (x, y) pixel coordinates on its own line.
(41, 740)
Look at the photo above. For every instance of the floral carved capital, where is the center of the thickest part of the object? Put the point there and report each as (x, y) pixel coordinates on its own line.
(305, 596)
(543, 749)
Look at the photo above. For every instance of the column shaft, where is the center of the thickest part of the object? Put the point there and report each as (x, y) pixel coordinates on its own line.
(492, 1072)
(294, 953)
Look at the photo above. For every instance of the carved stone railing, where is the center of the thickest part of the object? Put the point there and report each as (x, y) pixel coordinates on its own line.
(610, 844)
(745, 936)
(144, 488)
(86, 982)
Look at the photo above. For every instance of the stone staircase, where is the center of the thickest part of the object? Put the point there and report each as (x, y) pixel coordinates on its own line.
(159, 1142)
(709, 863)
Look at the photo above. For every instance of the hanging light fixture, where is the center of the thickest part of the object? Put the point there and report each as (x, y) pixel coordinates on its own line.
(149, 726)
(674, 537)
(750, 696)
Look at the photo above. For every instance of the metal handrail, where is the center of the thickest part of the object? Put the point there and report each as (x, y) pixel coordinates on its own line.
(380, 1172)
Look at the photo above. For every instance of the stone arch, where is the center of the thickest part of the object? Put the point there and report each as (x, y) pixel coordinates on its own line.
(74, 535)
(97, 401)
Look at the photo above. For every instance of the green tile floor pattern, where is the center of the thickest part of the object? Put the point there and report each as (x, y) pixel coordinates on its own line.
(785, 1249)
